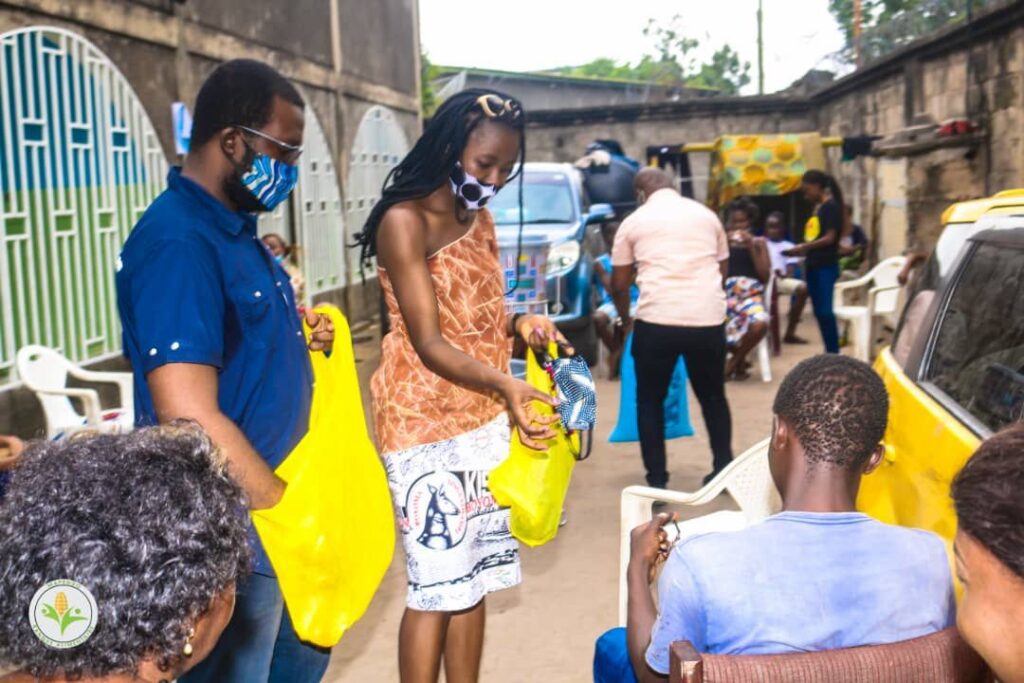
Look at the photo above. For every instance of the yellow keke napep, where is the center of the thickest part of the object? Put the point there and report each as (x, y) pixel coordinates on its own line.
(954, 371)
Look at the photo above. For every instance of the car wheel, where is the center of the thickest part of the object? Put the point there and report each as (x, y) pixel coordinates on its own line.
(585, 341)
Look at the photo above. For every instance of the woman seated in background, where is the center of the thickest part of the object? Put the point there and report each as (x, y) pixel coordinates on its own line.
(853, 245)
(749, 271)
(285, 255)
(989, 550)
(784, 269)
(146, 533)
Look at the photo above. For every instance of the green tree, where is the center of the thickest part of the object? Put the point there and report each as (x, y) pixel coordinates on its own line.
(428, 98)
(725, 73)
(673, 62)
(889, 24)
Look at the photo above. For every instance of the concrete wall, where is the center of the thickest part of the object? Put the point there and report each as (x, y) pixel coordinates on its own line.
(376, 38)
(344, 55)
(975, 72)
(538, 93)
(562, 136)
(978, 76)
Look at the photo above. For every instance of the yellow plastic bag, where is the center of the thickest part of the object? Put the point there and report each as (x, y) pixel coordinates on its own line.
(331, 537)
(534, 483)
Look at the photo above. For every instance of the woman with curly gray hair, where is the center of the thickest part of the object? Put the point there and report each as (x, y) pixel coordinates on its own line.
(119, 557)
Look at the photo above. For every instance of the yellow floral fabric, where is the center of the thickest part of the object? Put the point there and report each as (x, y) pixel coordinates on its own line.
(761, 164)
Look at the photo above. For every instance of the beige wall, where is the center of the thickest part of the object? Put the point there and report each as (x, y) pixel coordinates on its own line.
(166, 49)
(930, 78)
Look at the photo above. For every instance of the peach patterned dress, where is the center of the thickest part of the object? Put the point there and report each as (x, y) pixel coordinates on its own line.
(440, 440)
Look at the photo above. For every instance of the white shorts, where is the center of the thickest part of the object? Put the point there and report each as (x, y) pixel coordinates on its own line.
(788, 285)
(458, 546)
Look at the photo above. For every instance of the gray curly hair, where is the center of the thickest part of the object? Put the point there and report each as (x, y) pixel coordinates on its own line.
(150, 522)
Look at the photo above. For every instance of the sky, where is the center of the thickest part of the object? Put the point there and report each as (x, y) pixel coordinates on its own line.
(526, 35)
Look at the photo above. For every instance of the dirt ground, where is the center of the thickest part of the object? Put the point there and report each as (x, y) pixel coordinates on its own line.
(545, 629)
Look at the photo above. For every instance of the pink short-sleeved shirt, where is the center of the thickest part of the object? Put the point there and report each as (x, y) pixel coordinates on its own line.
(676, 245)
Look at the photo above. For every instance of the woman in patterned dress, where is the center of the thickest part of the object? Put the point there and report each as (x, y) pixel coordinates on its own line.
(443, 395)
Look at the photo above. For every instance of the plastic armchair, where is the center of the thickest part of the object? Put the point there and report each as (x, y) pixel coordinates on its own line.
(747, 480)
(882, 301)
(46, 372)
(942, 657)
(764, 346)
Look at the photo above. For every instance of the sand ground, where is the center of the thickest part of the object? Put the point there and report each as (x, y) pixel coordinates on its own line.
(544, 630)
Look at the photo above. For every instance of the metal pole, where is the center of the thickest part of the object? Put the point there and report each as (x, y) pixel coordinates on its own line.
(760, 47)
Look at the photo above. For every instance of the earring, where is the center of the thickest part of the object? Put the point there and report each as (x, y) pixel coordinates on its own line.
(187, 650)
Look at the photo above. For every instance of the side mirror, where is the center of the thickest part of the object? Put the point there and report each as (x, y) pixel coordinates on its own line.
(600, 213)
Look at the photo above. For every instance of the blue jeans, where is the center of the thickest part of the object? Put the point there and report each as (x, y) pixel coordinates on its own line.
(611, 658)
(821, 281)
(260, 644)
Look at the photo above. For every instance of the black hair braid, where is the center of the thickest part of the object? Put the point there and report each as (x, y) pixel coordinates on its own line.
(427, 166)
(822, 179)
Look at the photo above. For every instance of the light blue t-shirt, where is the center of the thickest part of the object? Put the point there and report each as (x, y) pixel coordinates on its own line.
(800, 582)
(604, 296)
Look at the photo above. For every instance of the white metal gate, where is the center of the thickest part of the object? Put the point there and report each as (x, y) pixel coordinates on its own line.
(312, 216)
(379, 145)
(79, 163)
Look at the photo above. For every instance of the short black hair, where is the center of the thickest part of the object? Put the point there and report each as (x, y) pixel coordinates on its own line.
(149, 522)
(240, 92)
(837, 406)
(988, 494)
(746, 206)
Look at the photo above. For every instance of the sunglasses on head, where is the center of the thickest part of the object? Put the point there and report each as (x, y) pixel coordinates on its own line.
(495, 107)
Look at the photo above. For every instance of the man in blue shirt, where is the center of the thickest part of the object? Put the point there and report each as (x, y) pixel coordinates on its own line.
(213, 334)
(816, 576)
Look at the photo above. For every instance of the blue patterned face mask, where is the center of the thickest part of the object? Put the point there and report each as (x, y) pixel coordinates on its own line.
(575, 384)
(270, 181)
(264, 183)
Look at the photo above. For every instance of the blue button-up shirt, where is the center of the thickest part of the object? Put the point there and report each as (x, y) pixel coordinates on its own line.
(196, 285)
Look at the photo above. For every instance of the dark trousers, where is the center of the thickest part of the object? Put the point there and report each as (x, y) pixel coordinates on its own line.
(656, 349)
(821, 283)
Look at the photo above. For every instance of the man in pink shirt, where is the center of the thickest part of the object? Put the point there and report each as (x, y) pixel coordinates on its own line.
(680, 252)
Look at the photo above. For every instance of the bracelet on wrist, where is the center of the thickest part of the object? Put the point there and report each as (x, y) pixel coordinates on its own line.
(515, 321)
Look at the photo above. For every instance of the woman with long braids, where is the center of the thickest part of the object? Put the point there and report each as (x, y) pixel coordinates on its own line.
(821, 250)
(442, 395)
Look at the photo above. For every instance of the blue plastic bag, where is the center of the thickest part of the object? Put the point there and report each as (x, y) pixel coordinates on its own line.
(677, 409)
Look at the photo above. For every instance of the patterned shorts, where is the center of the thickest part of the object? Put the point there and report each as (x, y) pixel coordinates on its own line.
(457, 542)
(745, 305)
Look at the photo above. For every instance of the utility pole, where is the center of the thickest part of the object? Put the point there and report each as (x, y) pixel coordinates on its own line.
(760, 47)
(856, 32)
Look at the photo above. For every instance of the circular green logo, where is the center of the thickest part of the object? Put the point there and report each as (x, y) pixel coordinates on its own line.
(63, 614)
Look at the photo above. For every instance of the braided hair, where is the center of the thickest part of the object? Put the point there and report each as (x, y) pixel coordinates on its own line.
(822, 179)
(428, 165)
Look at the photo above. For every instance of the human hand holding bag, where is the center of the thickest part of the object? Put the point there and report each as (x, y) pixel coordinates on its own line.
(331, 537)
(533, 484)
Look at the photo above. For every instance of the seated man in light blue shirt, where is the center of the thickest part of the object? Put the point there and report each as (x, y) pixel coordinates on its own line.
(816, 576)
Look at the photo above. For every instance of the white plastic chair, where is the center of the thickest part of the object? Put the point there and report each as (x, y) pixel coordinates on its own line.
(764, 346)
(46, 372)
(882, 302)
(747, 479)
